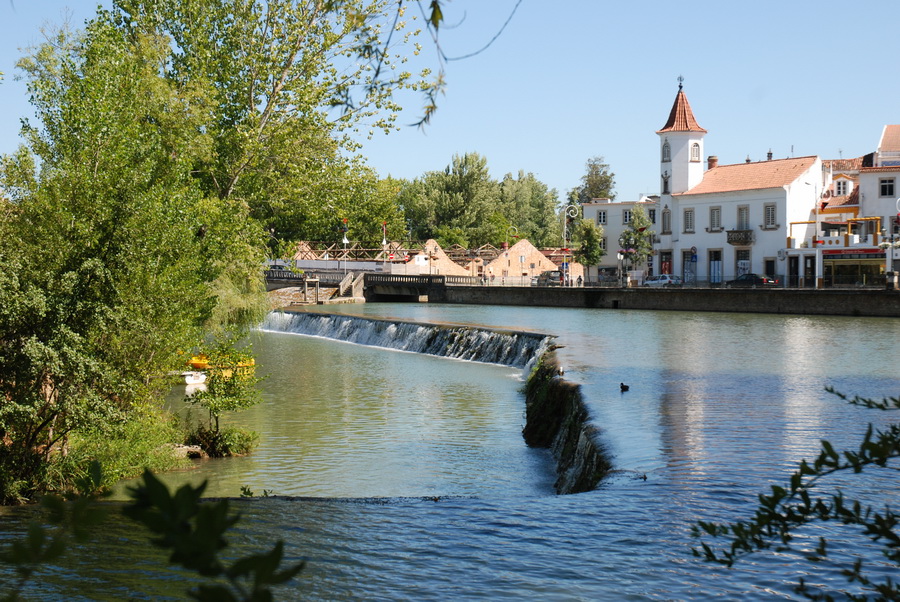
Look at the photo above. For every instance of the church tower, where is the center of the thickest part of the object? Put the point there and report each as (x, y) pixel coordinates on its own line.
(681, 148)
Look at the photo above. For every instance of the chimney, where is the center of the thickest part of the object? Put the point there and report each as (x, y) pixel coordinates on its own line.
(769, 155)
(747, 160)
(712, 161)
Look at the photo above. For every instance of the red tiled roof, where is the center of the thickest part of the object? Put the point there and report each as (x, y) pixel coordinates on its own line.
(681, 118)
(751, 176)
(890, 139)
(836, 202)
(894, 168)
(844, 164)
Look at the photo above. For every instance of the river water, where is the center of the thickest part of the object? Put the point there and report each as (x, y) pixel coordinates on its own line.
(415, 481)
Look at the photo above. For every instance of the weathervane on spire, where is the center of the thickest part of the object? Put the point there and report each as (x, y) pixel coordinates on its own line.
(680, 82)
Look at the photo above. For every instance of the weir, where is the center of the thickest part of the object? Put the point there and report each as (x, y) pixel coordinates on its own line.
(517, 349)
(556, 416)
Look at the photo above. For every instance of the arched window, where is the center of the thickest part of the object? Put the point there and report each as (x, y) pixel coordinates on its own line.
(666, 152)
(666, 221)
(695, 152)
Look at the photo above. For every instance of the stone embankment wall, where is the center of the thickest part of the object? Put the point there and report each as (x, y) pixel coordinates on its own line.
(867, 302)
(557, 418)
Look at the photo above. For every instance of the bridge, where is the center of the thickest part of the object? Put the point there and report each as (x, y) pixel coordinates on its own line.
(399, 287)
(373, 286)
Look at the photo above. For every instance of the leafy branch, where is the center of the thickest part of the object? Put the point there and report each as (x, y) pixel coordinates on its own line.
(787, 509)
(191, 528)
(194, 531)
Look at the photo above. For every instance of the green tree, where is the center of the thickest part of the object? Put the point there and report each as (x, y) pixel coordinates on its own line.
(112, 261)
(230, 387)
(462, 199)
(530, 206)
(636, 242)
(804, 501)
(598, 182)
(589, 237)
(280, 85)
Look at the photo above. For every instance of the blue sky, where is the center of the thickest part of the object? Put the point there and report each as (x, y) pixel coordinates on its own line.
(567, 81)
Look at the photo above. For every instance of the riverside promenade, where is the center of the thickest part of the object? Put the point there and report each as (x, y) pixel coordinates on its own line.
(835, 302)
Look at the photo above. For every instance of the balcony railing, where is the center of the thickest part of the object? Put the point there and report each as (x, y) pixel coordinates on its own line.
(842, 241)
(740, 238)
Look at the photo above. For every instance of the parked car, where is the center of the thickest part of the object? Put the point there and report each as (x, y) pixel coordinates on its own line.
(666, 280)
(550, 278)
(751, 281)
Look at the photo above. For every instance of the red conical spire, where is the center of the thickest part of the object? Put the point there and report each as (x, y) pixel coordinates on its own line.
(681, 118)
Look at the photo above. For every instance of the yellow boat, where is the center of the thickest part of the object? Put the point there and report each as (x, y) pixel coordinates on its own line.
(201, 362)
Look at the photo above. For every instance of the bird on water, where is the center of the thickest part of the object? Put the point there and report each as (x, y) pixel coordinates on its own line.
(623, 387)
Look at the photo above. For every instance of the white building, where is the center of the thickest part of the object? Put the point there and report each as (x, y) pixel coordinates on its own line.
(614, 217)
(726, 220)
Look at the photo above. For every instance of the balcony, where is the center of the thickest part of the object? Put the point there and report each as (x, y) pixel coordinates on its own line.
(740, 238)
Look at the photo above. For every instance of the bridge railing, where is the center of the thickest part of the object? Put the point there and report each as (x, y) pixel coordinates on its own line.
(283, 275)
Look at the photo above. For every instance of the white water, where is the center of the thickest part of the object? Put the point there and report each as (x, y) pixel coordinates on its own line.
(507, 348)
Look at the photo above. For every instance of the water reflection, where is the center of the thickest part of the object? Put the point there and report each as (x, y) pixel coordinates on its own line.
(719, 407)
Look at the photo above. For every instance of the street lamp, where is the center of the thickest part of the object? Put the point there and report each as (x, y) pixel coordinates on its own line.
(383, 245)
(344, 229)
(570, 211)
(619, 257)
(511, 231)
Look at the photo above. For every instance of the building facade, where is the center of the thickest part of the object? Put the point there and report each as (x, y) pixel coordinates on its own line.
(720, 221)
(614, 217)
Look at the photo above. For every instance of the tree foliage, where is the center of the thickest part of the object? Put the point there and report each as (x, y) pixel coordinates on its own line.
(801, 503)
(281, 85)
(636, 242)
(589, 238)
(463, 205)
(109, 253)
(598, 182)
(194, 532)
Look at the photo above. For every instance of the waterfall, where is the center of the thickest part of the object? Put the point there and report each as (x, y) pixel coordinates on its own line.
(505, 347)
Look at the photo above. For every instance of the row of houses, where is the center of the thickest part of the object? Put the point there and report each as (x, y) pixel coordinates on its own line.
(806, 221)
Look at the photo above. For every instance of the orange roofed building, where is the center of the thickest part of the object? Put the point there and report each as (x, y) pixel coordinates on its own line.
(716, 222)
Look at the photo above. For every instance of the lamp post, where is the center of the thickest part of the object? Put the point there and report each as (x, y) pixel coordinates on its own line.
(345, 241)
(570, 211)
(511, 231)
(383, 245)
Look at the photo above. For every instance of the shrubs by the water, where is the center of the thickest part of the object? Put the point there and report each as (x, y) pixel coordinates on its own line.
(228, 441)
(124, 450)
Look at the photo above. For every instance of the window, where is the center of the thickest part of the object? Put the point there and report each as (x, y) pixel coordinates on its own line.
(666, 221)
(603, 243)
(666, 152)
(695, 152)
(715, 219)
(840, 188)
(743, 218)
(688, 220)
(626, 216)
(887, 186)
(651, 213)
(769, 217)
(601, 218)
(741, 261)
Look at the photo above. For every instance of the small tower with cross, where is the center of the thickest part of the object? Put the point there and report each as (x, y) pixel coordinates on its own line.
(681, 147)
